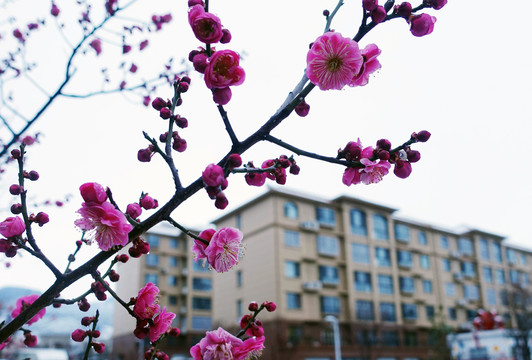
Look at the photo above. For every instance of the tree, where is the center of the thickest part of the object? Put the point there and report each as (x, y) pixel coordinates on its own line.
(333, 62)
(518, 299)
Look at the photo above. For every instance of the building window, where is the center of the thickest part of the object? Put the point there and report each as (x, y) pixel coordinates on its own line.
(424, 261)
(499, 276)
(366, 337)
(450, 289)
(291, 269)
(525, 279)
(328, 274)
(446, 265)
(295, 334)
(201, 303)
(293, 300)
(452, 313)
(199, 266)
(404, 258)
(470, 314)
(409, 311)
(484, 249)
(238, 221)
(496, 250)
(444, 242)
(427, 286)
(514, 277)
(465, 246)
(385, 283)
(471, 292)
(290, 210)
(410, 338)
(364, 310)
(174, 243)
(387, 310)
(468, 269)
(153, 240)
(362, 281)
(358, 222)
(330, 305)
(390, 338)
(406, 284)
(380, 227)
(491, 297)
(291, 238)
(152, 260)
(202, 284)
(402, 232)
(503, 295)
(328, 245)
(422, 238)
(151, 278)
(239, 278)
(201, 323)
(429, 310)
(172, 280)
(172, 300)
(487, 274)
(511, 256)
(522, 258)
(172, 261)
(326, 216)
(382, 257)
(360, 253)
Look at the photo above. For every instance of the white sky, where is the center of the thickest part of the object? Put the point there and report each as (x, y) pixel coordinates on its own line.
(469, 83)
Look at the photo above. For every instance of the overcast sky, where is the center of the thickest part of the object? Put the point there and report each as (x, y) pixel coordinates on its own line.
(468, 83)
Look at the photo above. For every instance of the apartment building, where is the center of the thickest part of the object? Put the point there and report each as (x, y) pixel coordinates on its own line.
(185, 289)
(384, 278)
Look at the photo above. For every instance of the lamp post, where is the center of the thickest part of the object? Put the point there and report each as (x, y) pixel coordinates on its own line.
(336, 332)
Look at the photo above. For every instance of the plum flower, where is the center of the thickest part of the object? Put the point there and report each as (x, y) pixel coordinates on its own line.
(369, 66)
(108, 225)
(223, 70)
(373, 171)
(250, 349)
(12, 226)
(23, 303)
(198, 247)
(333, 61)
(206, 27)
(161, 324)
(421, 25)
(217, 344)
(146, 304)
(213, 175)
(223, 250)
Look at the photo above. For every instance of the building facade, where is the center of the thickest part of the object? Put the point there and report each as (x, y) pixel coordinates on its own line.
(185, 289)
(387, 280)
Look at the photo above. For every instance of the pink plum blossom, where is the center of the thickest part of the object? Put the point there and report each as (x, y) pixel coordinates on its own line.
(333, 61)
(217, 345)
(134, 210)
(12, 226)
(224, 249)
(108, 225)
(351, 176)
(373, 171)
(255, 179)
(421, 25)
(369, 66)
(23, 303)
(96, 44)
(93, 193)
(402, 169)
(250, 349)
(146, 304)
(206, 27)
(213, 175)
(161, 324)
(223, 70)
(198, 248)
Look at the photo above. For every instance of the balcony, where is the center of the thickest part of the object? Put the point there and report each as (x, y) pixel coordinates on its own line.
(312, 286)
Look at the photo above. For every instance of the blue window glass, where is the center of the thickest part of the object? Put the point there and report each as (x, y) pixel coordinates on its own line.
(422, 238)
(326, 216)
(471, 292)
(360, 253)
(427, 286)
(450, 289)
(173, 261)
(291, 238)
(404, 258)
(382, 257)
(199, 266)
(468, 269)
(406, 284)
(328, 274)
(174, 243)
(496, 250)
(239, 278)
(511, 256)
(385, 283)
(290, 210)
(429, 310)
(202, 284)
(402, 232)
(387, 311)
(424, 261)
(238, 221)
(364, 310)
(484, 249)
(201, 303)
(152, 260)
(390, 338)
(291, 269)
(380, 227)
(500, 277)
(362, 281)
(452, 313)
(358, 222)
(201, 322)
(446, 264)
(465, 246)
(328, 245)
(153, 240)
(491, 297)
(409, 311)
(514, 276)
(487, 274)
(444, 242)
(293, 300)
(522, 258)
(239, 308)
(153, 278)
(172, 280)
(525, 279)
(330, 304)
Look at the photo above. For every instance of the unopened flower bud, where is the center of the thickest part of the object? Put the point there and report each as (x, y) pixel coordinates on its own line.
(84, 305)
(413, 156)
(16, 209)
(378, 15)
(55, 10)
(144, 247)
(41, 218)
(422, 136)
(99, 347)
(294, 169)
(15, 153)
(200, 62)
(404, 10)
(221, 96)
(87, 320)
(158, 103)
(383, 155)
(15, 189)
(186, 79)
(95, 334)
(122, 258)
(253, 306)
(144, 155)
(221, 201)
(79, 335)
(234, 161)
(182, 87)
(269, 306)
(165, 113)
(33, 175)
(30, 340)
(245, 320)
(326, 13)
(134, 210)
(402, 169)
(114, 276)
(226, 36)
(302, 109)
(370, 5)
(173, 331)
(134, 252)
(384, 144)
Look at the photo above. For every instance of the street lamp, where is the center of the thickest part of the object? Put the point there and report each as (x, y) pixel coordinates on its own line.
(336, 331)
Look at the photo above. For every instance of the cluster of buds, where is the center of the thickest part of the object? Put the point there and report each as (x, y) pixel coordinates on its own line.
(79, 335)
(139, 248)
(179, 144)
(30, 340)
(273, 169)
(40, 219)
(249, 322)
(84, 305)
(11, 228)
(153, 353)
(99, 290)
(215, 182)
